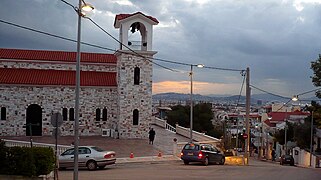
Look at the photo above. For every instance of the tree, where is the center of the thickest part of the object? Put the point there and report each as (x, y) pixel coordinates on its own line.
(316, 78)
(303, 131)
(178, 114)
(202, 116)
(279, 136)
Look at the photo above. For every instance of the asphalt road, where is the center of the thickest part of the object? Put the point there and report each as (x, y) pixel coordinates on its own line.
(257, 170)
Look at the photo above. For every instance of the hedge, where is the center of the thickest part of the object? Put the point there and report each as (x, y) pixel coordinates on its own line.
(26, 161)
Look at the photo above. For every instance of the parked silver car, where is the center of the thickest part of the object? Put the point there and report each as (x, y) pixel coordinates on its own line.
(88, 156)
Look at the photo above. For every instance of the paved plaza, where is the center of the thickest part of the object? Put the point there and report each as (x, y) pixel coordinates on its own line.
(123, 147)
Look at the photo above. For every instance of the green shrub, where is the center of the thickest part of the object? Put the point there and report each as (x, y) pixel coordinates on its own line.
(44, 160)
(26, 161)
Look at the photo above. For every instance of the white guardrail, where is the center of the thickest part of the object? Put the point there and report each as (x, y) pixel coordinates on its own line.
(164, 124)
(13, 143)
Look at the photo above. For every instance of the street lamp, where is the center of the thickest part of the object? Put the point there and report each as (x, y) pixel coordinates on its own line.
(285, 131)
(191, 99)
(85, 7)
(296, 98)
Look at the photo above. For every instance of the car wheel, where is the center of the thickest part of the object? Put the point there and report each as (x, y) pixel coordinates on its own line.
(186, 162)
(101, 167)
(292, 164)
(91, 165)
(222, 161)
(205, 161)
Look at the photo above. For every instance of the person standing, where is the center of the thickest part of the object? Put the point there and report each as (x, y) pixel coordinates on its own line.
(152, 134)
(273, 155)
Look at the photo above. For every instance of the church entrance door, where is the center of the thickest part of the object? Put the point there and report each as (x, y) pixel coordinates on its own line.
(34, 120)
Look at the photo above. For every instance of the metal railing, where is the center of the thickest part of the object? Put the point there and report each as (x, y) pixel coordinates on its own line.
(13, 143)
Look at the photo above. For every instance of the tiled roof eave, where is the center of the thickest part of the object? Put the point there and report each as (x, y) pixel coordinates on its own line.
(42, 77)
(58, 62)
(57, 85)
(46, 55)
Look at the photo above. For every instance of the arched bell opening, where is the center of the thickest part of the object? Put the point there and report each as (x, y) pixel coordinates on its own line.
(137, 36)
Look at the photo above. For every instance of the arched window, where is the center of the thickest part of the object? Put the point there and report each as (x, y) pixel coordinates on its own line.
(71, 114)
(97, 114)
(3, 113)
(64, 114)
(104, 114)
(136, 76)
(135, 117)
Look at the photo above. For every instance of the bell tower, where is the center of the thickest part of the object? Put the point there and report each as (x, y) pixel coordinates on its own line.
(135, 72)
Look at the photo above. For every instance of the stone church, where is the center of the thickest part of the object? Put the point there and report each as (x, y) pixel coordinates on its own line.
(115, 89)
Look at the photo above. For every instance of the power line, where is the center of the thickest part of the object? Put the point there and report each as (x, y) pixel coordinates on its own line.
(77, 10)
(269, 92)
(137, 54)
(309, 91)
(56, 36)
(110, 49)
(163, 60)
(287, 97)
(238, 100)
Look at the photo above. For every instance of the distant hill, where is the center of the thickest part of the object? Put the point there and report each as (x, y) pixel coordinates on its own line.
(264, 98)
(197, 97)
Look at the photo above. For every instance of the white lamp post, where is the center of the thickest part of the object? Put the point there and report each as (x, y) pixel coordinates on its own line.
(191, 99)
(85, 7)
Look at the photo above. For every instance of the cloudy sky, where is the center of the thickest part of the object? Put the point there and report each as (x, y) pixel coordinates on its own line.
(276, 39)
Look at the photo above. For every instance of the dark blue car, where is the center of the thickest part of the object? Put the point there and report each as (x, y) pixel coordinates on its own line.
(204, 153)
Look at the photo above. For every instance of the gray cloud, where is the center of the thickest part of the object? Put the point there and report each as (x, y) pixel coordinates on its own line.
(273, 38)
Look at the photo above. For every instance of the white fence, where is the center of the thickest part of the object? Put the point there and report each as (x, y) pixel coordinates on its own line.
(12, 143)
(197, 136)
(302, 158)
(164, 124)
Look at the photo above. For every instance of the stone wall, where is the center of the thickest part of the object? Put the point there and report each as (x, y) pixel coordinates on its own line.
(132, 96)
(16, 99)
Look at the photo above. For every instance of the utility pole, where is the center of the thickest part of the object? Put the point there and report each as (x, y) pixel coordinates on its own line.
(311, 139)
(248, 102)
(285, 131)
(191, 103)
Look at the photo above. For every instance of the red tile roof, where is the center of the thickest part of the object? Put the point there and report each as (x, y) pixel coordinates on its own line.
(56, 77)
(21, 54)
(268, 122)
(280, 116)
(251, 115)
(124, 16)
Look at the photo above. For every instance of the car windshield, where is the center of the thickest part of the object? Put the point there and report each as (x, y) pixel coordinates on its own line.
(97, 149)
(191, 147)
(287, 156)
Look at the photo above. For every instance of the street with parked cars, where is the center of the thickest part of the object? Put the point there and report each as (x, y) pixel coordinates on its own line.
(175, 169)
(287, 159)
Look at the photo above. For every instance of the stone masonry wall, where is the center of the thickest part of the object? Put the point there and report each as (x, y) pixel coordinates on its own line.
(16, 99)
(133, 97)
